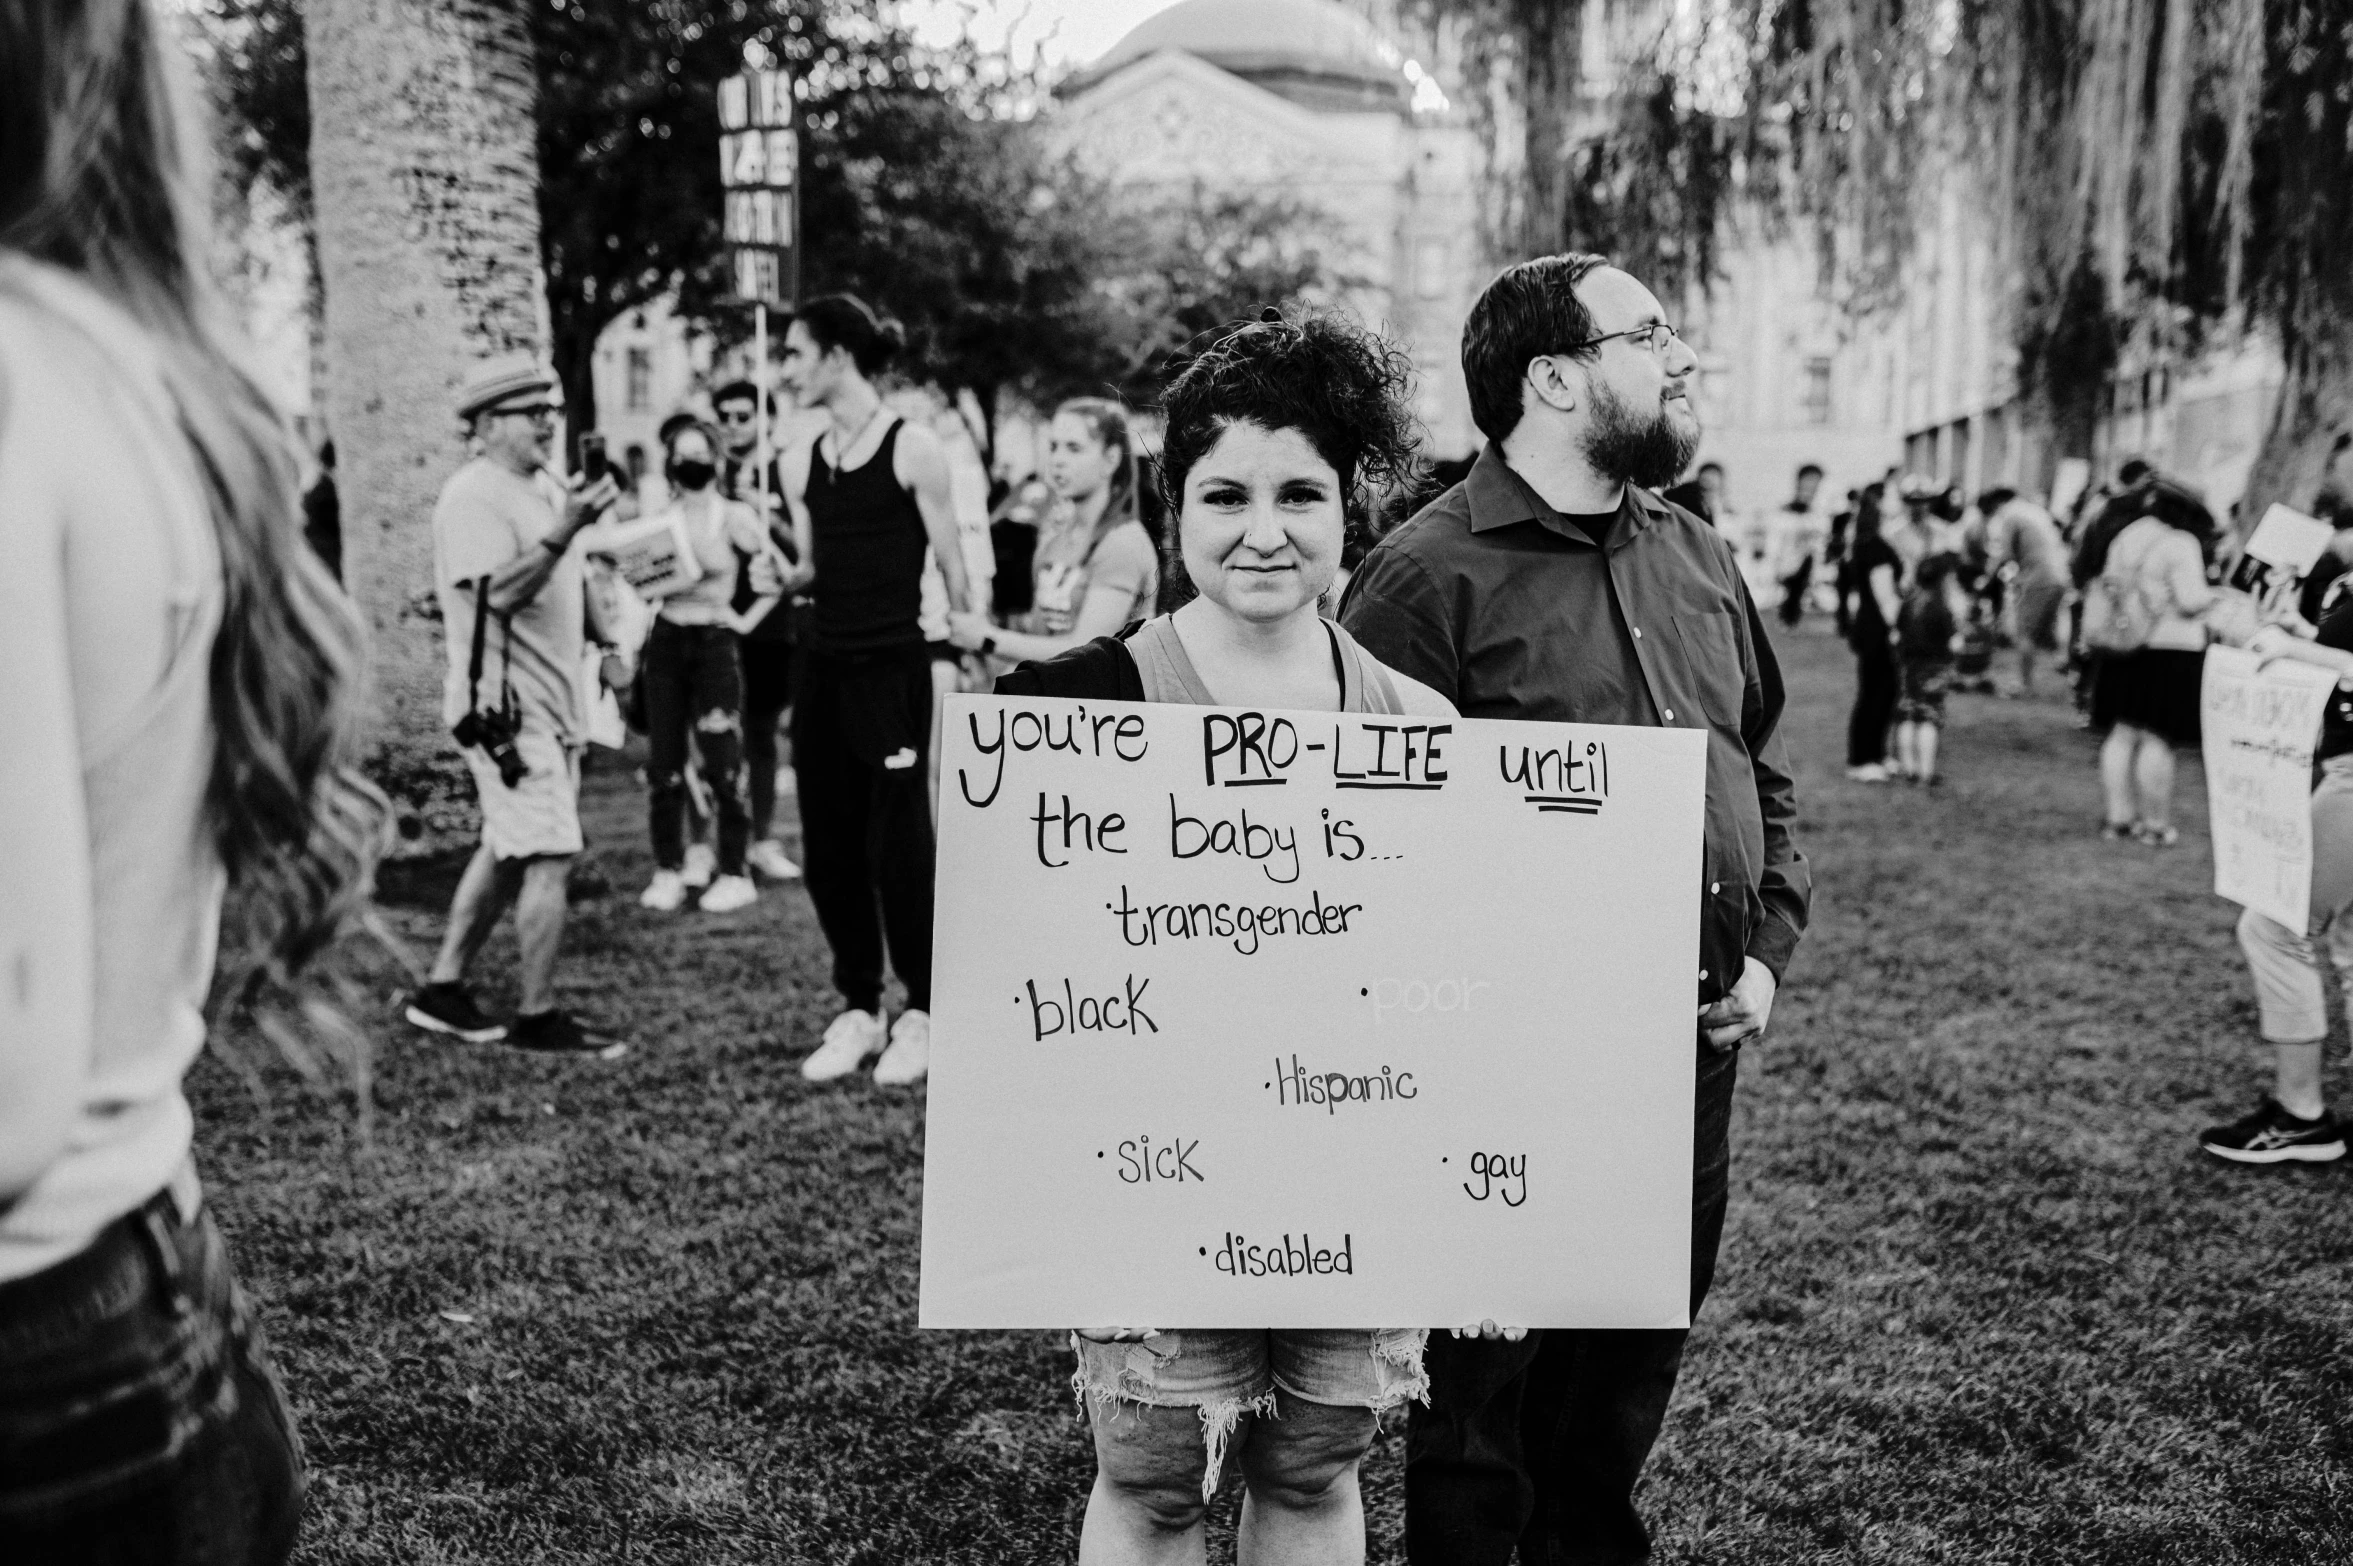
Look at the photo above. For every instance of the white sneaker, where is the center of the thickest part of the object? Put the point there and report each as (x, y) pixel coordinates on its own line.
(701, 865)
(769, 858)
(666, 893)
(849, 1039)
(1868, 772)
(908, 1060)
(729, 893)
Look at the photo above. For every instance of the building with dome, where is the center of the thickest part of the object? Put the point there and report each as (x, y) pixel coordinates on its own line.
(1306, 100)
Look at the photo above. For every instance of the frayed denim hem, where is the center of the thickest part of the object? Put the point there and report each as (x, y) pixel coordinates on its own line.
(1138, 1382)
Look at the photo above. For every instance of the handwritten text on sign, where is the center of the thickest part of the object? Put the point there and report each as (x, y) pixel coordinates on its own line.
(2260, 728)
(1310, 1019)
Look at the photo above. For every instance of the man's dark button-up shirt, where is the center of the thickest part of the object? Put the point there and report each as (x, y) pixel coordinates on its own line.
(1492, 598)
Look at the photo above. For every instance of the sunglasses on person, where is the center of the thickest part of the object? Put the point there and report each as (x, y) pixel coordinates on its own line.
(736, 416)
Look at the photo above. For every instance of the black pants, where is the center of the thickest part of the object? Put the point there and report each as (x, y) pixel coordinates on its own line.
(694, 685)
(1793, 593)
(861, 734)
(141, 1421)
(1875, 694)
(769, 672)
(1536, 1445)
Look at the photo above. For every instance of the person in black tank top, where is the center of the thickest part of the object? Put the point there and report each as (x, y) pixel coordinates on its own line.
(868, 500)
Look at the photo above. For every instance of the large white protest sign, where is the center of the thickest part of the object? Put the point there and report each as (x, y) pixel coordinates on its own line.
(2260, 728)
(1300, 1019)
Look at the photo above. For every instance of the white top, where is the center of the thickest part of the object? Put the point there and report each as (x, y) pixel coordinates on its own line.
(2165, 564)
(114, 595)
(486, 516)
(716, 527)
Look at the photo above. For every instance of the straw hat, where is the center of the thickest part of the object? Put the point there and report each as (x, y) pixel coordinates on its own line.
(501, 379)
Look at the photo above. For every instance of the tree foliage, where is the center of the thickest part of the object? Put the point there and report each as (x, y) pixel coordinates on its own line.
(2150, 170)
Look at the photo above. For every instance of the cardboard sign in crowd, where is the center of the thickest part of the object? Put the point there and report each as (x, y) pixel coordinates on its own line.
(2260, 726)
(1289, 1019)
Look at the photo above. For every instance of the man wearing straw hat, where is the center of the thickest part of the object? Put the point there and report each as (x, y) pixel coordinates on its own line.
(507, 568)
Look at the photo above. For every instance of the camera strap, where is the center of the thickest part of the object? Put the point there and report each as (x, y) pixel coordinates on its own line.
(506, 653)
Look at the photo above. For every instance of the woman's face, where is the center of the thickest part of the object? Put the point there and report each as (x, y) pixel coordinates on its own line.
(690, 446)
(1077, 464)
(1261, 523)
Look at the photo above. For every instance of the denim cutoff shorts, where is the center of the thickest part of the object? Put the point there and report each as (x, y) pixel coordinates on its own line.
(1227, 1372)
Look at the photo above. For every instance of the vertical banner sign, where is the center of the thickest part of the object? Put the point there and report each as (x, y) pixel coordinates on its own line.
(1289, 1019)
(760, 167)
(2260, 729)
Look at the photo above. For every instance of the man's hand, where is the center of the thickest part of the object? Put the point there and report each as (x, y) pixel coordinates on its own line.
(582, 505)
(1741, 1015)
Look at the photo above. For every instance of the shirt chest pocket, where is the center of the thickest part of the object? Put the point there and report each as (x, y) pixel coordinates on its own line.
(1711, 662)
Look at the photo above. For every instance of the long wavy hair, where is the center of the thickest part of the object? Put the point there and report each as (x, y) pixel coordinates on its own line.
(103, 174)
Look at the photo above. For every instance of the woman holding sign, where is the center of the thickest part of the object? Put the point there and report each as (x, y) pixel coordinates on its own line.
(693, 676)
(1272, 431)
(2292, 1123)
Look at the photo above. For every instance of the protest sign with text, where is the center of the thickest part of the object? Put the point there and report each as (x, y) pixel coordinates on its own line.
(1310, 1019)
(2260, 727)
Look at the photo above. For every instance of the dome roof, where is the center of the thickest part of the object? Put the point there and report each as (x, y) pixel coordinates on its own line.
(1315, 52)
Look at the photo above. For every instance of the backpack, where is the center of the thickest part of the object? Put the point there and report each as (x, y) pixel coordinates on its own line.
(2117, 614)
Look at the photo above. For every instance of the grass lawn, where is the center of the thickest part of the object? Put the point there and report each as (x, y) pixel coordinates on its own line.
(1981, 1299)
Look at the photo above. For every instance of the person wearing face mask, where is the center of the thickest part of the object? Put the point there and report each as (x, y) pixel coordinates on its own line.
(693, 678)
(1553, 585)
(1271, 432)
(1095, 569)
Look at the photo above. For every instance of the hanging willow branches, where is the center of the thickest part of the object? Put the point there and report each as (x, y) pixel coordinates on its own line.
(2147, 171)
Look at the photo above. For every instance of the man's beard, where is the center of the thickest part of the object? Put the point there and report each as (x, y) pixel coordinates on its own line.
(1651, 452)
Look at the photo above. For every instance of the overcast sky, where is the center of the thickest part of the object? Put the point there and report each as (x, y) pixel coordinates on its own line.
(1072, 32)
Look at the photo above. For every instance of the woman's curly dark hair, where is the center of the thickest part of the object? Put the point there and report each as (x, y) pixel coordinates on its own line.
(1339, 384)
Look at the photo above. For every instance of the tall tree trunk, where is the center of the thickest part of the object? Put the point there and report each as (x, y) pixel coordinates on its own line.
(425, 174)
(2315, 406)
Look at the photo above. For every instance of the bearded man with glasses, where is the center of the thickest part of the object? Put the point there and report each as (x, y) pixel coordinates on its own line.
(1553, 585)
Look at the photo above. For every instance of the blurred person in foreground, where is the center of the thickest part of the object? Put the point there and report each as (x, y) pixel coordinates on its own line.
(770, 648)
(1272, 432)
(182, 685)
(507, 565)
(1552, 585)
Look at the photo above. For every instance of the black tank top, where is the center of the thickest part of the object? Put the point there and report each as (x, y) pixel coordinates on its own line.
(867, 542)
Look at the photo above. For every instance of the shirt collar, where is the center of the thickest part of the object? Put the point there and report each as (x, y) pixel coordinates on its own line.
(1499, 497)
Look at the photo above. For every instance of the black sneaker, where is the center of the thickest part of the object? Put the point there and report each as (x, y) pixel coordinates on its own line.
(2273, 1136)
(449, 1008)
(557, 1033)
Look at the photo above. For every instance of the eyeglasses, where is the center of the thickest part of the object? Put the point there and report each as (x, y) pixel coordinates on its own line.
(1655, 337)
(739, 416)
